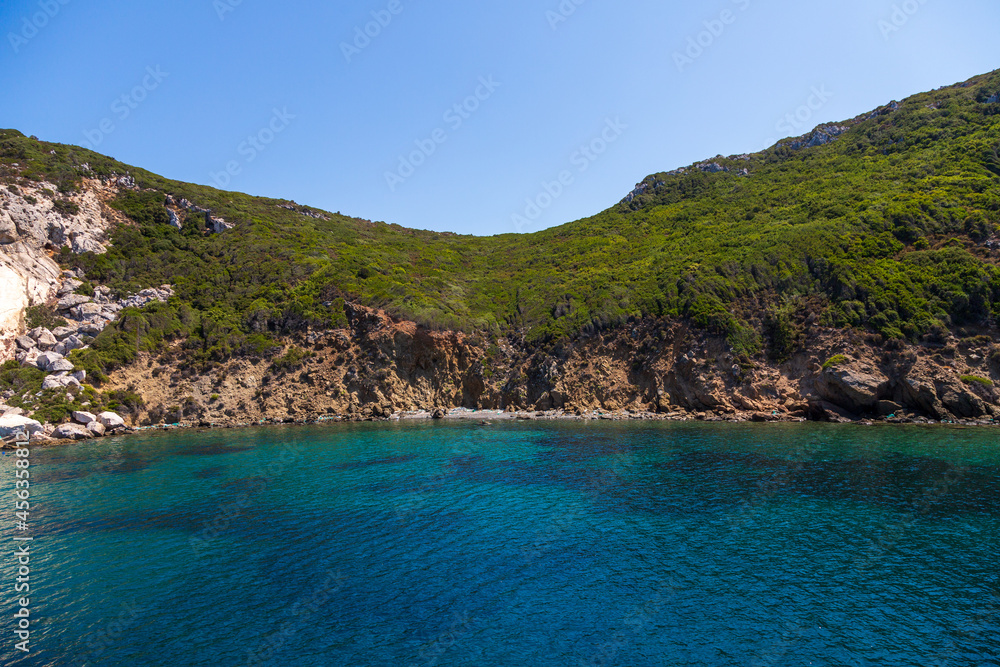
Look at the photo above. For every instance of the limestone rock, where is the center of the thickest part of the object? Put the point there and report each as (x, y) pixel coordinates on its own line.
(85, 311)
(57, 382)
(47, 359)
(72, 432)
(923, 397)
(9, 425)
(25, 342)
(61, 366)
(29, 358)
(63, 332)
(111, 421)
(69, 286)
(43, 337)
(72, 301)
(92, 328)
(146, 296)
(81, 417)
(97, 428)
(73, 342)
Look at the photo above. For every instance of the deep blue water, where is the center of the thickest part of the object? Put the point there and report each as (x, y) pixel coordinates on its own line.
(517, 544)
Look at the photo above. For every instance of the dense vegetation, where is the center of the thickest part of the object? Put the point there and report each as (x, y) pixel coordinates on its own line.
(887, 227)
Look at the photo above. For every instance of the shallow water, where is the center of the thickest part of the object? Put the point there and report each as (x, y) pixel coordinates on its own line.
(517, 544)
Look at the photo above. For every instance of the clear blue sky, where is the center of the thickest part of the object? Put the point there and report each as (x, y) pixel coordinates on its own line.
(223, 67)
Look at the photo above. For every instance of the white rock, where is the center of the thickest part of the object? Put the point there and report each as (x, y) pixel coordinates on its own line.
(111, 421)
(54, 382)
(71, 301)
(13, 424)
(61, 366)
(72, 432)
(92, 328)
(29, 358)
(46, 359)
(43, 337)
(85, 311)
(79, 376)
(63, 332)
(25, 342)
(69, 286)
(84, 418)
(97, 428)
(73, 343)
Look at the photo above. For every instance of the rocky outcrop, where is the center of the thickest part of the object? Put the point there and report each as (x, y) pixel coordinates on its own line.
(711, 167)
(823, 134)
(12, 424)
(35, 221)
(72, 432)
(111, 421)
(856, 390)
(84, 418)
(86, 317)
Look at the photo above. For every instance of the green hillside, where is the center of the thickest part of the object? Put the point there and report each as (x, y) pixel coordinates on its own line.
(886, 226)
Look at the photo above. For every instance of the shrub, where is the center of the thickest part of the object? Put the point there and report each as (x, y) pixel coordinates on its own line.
(291, 360)
(975, 379)
(65, 207)
(43, 316)
(835, 360)
(779, 333)
(123, 401)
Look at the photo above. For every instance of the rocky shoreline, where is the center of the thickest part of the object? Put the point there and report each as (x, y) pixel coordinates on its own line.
(376, 366)
(489, 418)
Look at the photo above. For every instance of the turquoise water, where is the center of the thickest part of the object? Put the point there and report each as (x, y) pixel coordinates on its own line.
(517, 544)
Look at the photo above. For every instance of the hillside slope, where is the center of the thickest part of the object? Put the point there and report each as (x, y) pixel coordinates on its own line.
(885, 223)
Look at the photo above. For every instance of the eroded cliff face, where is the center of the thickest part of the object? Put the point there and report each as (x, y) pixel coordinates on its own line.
(35, 222)
(379, 366)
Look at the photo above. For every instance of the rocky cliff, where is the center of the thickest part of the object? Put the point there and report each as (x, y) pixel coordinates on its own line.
(35, 223)
(378, 366)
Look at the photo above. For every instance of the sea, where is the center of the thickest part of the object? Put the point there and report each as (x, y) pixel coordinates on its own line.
(517, 543)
